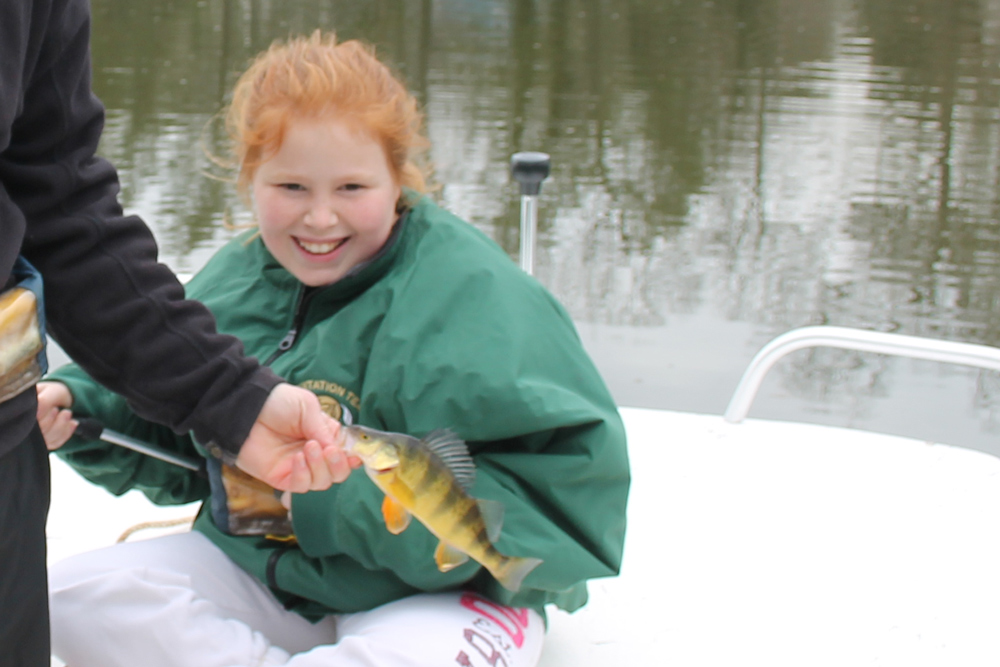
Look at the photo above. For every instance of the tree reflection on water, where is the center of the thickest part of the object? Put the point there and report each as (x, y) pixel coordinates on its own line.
(722, 171)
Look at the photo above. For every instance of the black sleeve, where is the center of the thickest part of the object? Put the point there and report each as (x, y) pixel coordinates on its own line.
(115, 310)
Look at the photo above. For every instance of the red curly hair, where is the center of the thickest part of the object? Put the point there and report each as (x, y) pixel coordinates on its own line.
(309, 77)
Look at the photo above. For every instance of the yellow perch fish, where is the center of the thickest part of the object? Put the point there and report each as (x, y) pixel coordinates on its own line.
(430, 479)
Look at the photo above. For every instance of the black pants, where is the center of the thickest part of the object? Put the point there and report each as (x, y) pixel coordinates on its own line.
(24, 598)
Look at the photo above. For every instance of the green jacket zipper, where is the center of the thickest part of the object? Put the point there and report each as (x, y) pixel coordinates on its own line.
(300, 314)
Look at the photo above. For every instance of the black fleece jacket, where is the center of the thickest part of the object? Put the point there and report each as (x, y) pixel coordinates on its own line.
(116, 311)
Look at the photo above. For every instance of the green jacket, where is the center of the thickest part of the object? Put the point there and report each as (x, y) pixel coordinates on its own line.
(440, 330)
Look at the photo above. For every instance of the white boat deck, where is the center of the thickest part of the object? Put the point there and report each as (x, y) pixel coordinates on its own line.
(774, 544)
(752, 543)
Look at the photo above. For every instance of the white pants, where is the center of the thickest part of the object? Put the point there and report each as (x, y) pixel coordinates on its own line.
(179, 600)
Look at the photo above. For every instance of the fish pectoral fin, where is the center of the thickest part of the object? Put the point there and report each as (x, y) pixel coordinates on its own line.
(397, 518)
(448, 557)
(492, 513)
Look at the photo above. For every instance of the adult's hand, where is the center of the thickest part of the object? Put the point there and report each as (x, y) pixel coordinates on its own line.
(294, 446)
(54, 416)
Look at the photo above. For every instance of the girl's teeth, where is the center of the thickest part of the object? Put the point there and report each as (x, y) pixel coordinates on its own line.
(318, 248)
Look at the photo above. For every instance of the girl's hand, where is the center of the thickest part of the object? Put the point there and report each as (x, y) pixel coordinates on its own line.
(54, 416)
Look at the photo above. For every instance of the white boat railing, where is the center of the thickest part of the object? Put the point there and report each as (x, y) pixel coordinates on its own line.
(915, 347)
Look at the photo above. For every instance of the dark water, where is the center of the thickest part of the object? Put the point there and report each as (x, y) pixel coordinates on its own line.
(723, 171)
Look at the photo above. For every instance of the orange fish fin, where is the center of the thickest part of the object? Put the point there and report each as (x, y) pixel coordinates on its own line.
(492, 512)
(448, 557)
(395, 515)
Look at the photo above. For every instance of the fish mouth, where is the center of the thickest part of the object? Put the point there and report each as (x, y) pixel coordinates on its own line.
(319, 247)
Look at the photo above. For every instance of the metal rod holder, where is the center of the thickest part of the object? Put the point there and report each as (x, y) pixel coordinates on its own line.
(529, 169)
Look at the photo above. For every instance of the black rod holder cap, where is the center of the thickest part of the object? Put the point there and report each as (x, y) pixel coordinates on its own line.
(530, 168)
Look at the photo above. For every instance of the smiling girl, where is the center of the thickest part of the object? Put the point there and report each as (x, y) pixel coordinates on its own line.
(401, 317)
(326, 200)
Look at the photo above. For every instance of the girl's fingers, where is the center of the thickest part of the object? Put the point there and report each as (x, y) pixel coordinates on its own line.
(58, 429)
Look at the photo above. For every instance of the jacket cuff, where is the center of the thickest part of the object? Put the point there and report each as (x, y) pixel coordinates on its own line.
(238, 413)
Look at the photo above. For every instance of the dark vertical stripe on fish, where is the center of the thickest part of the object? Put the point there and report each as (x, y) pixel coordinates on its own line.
(472, 517)
(427, 481)
(482, 537)
(453, 498)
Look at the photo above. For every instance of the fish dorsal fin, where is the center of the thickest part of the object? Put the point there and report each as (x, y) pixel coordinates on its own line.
(454, 453)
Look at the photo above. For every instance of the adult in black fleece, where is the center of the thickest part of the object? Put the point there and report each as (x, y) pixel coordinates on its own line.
(113, 309)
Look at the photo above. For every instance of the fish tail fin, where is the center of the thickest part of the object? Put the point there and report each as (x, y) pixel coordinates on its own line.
(513, 569)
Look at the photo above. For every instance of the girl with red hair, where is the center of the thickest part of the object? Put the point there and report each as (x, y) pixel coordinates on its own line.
(401, 317)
